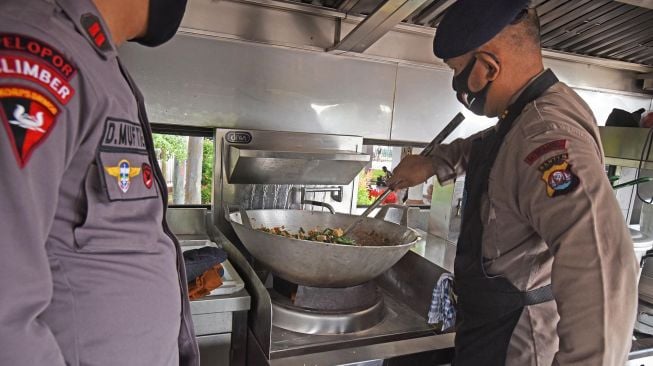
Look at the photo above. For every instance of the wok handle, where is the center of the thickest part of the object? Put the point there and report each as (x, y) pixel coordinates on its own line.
(383, 213)
(243, 215)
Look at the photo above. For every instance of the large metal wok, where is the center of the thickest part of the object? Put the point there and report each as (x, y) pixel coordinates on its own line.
(317, 264)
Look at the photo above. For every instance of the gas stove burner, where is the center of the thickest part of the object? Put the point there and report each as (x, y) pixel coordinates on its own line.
(313, 310)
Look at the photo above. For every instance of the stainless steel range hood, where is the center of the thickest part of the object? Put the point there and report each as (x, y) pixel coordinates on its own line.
(312, 166)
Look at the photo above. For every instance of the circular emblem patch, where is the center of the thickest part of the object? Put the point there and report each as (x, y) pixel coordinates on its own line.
(560, 180)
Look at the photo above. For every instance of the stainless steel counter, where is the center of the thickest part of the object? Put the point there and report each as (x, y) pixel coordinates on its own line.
(220, 321)
(436, 250)
(239, 301)
(372, 354)
(400, 322)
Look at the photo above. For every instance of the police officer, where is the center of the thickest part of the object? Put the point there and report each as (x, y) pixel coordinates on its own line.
(545, 270)
(90, 273)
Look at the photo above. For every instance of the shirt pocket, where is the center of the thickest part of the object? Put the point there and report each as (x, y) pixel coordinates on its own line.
(122, 209)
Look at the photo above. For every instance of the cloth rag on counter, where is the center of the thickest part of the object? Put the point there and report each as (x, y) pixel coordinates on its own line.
(207, 282)
(443, 310)
(201, 260)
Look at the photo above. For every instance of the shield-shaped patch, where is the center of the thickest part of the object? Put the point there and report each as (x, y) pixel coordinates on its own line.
(28, 117)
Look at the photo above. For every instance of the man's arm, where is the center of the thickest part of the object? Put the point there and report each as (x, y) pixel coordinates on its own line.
(564, 193)
(30, 179)
(446, 162)
(38, 132)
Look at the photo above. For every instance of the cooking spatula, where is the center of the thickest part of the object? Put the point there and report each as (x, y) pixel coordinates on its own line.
(448, 129)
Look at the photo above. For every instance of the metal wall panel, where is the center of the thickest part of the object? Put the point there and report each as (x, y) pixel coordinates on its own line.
(259, 23)
(591, 76)
(425, 103)
(203, 82)
(602, 103)
(218, 83)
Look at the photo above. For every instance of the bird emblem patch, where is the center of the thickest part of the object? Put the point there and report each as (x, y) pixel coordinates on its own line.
(28, 117)
(557, 174)
(123, 172)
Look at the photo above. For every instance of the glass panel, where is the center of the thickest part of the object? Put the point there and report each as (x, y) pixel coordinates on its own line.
(187, 166)
(373, 178)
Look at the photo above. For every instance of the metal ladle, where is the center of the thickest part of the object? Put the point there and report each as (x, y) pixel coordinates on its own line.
(448, 129)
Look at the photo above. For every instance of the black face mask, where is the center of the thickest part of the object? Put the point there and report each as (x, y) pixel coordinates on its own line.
(164, 17)
(474, 101)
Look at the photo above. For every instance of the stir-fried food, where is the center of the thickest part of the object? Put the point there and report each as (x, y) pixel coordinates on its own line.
(328, 235)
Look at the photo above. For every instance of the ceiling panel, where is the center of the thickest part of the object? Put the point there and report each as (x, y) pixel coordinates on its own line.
(599, 28)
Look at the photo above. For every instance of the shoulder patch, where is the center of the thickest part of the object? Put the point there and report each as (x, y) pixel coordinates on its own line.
(557, 174)
(95, 31)
(544, 149)
(28, 118)
(39, 49)
(36, 71)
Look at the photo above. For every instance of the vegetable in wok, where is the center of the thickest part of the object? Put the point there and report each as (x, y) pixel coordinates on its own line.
(328, 235)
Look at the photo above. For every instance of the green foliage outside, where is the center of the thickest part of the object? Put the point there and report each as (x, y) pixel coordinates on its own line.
(207, 171)
(174, 146)
(367, 176)
(171, 146)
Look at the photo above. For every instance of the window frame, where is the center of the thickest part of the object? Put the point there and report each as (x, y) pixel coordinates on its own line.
(391, 143)
(168, 129)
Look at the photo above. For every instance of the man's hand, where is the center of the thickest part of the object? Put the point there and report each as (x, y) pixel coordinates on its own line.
(413, 170)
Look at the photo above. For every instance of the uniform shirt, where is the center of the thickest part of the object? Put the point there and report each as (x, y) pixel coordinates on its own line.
(550, 216)
(90, 274)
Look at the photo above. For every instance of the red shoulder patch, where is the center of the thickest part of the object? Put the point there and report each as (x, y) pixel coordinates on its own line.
(544, 149)
(93, 28)
(28, 118)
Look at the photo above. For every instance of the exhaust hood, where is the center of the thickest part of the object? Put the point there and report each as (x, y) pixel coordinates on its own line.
(275, 157)
(294, 167)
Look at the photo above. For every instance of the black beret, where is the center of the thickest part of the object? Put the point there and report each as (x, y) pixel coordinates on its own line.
(468, 24)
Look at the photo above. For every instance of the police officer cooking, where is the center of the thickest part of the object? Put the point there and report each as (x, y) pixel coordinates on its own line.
(89, 273)
(92, 275)
(544, 269)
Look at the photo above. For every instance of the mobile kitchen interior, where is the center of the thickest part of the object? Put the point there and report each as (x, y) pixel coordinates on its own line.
(298, 101)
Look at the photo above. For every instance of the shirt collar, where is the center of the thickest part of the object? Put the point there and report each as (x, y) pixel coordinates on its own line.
(89, 23)
(518, 93)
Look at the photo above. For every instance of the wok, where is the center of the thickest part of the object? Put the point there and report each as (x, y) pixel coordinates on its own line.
(318, 264)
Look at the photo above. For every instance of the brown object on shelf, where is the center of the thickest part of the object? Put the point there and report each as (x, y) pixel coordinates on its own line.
(207, 282)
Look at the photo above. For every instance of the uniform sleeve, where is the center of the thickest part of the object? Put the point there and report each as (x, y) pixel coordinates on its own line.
(564, 193)
(36, 142)
(450, 160)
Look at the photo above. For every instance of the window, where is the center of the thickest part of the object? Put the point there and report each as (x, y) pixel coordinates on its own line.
(373, 178)
(186, 160)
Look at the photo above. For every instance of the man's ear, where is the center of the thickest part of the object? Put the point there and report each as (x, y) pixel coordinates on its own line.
(492, 66)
